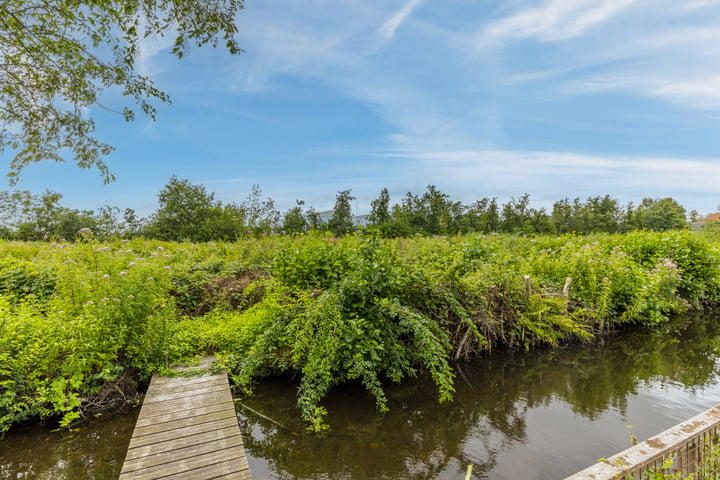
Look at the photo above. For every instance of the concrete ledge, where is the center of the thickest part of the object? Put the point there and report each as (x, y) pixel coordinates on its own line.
(688, 436)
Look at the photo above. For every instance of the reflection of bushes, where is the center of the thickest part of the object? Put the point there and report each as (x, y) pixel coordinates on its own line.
(418, 438)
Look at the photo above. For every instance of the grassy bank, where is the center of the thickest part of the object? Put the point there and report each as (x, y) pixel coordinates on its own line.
(81, 324)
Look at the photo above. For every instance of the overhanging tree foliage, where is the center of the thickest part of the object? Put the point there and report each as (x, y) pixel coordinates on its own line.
(58, 56)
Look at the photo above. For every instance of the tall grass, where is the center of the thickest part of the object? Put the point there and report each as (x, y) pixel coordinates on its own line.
(81, 325)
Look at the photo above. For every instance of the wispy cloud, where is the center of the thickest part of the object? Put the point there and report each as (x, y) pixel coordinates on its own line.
(387, 31)
(450, 112)
(543, 174)
(553, 21)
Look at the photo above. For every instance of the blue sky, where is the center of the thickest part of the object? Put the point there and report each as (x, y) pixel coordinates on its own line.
(493, 98)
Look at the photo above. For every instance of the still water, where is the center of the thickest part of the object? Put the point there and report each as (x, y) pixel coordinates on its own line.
(543, 414)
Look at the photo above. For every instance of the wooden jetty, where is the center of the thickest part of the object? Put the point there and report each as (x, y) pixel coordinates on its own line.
(187, 429)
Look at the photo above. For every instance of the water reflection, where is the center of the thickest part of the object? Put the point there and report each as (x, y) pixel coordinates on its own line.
(535, 415)
(95, 450)
(541, 414)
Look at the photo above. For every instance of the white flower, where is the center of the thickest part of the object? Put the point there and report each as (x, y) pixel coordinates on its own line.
(150, 279)
(123, 272)
(166, 267)
(90, 302)
(160, 248)
(132, 264)
(131, 296)
(106, 276)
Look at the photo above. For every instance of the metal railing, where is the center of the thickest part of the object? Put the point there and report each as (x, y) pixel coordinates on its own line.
(686, 444)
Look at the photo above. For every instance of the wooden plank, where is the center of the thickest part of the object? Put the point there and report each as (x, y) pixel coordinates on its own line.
(182, 432)
(153, 448)
(160, 458)
(180, 414)
(183, 404)
(224, 471)
(187, 429)
(182, 394)
(224, 459)
(187, 383)
(189, 421)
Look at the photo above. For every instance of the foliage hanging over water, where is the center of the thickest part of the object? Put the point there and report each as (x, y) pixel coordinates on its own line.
(79, 322)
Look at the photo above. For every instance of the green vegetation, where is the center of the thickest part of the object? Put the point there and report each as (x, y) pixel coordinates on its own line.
(188, 212)
(707, 468)
(82, 323)
(58, 57)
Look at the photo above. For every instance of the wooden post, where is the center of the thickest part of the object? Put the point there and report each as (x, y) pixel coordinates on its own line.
(566, 288)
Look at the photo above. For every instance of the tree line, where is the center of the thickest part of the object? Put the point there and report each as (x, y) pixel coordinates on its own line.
(188, 211)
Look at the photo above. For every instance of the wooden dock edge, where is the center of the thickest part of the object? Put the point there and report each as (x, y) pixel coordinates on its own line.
(187, 429)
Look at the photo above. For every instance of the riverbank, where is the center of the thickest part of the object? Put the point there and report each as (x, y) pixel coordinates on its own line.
(82, 321)
(544, 413)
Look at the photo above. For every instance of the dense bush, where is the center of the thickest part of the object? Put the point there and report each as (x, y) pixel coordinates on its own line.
(79, 322)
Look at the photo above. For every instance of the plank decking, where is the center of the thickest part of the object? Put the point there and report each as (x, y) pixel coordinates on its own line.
(187, 429)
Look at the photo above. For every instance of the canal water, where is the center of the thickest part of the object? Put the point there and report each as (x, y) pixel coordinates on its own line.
(543, 414)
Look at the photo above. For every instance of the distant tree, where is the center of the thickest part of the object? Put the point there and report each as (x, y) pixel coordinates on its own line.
(41, 217)
(313, 219)
(627, 222)
(659, 215)
(538, 222)
(294, 220)
(411, 208)
(432, 213)
(438, 213)
(57, 57)
(563, 216)
(189, 212)
(133, 225)
(493, 216)
(519, 217)
(380, 208)
(262, 216)
(399, 224)
(601, 214)
(225, 222)
(515, 214)
(341, 221)
(481, 216)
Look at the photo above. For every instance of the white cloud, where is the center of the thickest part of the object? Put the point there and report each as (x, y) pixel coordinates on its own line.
(387, 30)
(555, 20)
(549, 176)
(445, 104)
(702, 93)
